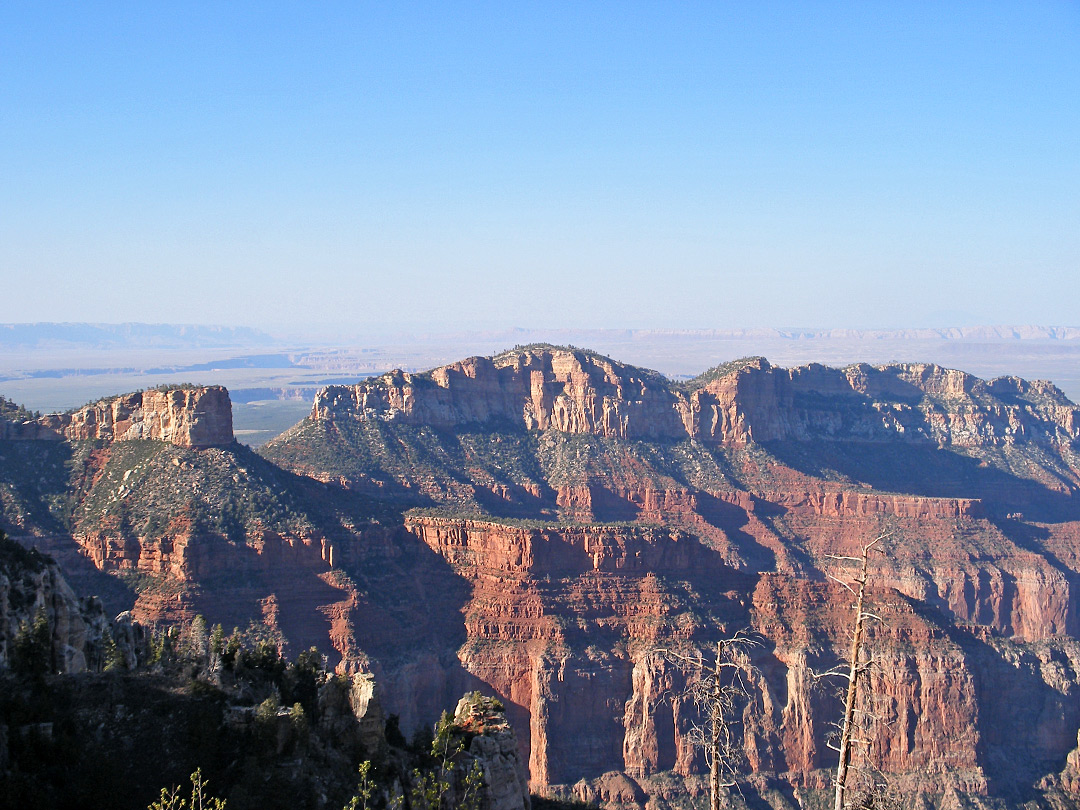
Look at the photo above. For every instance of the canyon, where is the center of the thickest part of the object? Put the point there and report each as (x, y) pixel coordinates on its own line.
(545, 524)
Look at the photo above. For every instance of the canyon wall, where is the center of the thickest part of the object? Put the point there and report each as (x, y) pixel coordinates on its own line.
(32, 588)
(579, 392)
(547, 605)
(570, 391)
(916, 402)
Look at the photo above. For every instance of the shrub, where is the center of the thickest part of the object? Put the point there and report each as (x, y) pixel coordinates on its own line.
(200, 799)
(32, 649)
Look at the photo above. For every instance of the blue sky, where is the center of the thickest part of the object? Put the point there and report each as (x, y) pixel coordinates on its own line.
(454, 165)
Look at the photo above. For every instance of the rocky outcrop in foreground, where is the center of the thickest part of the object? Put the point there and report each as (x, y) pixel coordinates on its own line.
(493, 747)
(36, 599)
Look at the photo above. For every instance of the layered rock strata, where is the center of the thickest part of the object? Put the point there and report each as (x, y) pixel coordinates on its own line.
(185, 417)
(566, 624)
(579, 392)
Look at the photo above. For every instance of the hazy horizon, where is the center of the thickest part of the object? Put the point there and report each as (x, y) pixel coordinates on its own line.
(53, 367)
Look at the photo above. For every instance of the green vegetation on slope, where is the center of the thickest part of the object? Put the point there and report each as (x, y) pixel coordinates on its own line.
(260, 730)
(496, 471)
(14, 412)
(150, 488)
(409, 464)
(716, 372)
(35, 486)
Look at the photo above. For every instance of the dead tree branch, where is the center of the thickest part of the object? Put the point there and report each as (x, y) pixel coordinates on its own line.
(719, 688)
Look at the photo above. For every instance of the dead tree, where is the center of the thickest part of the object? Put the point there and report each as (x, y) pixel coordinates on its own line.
(857, 664)
(719, 690)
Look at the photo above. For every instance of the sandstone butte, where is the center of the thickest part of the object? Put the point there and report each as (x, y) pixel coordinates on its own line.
(537, 525)
(185, 417)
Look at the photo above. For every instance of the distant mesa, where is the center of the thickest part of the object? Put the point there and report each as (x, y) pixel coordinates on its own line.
(541, 387)
(577, 391)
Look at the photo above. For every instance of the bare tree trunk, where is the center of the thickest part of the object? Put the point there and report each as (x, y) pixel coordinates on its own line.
(714, 766)
(853, 679)
(717, 722)
(719, 693)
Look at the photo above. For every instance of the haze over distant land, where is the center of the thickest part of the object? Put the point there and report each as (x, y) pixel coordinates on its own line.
(105, 336)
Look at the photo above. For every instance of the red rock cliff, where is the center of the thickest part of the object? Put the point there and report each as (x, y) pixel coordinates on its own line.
(565, 624)
(186, 417)
(581, 392)
(914, 402)
(559, 389)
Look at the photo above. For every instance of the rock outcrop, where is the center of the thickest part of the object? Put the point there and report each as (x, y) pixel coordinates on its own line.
(543, 389)
(493, 747)
(576, 391)
(34, 593)
(913, 402)
(185, 417)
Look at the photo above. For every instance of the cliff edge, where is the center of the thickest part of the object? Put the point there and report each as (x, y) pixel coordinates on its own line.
(187, 416)
(580, 392)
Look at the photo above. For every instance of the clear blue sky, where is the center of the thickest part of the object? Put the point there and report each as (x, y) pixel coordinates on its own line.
(572, 164)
